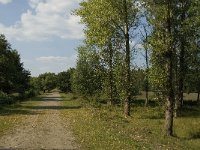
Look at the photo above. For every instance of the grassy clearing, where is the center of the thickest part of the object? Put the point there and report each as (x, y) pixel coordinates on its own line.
(11, 115)
(106, 128)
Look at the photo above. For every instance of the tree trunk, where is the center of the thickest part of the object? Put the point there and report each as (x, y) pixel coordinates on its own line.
(147, 99)
(198, 100)
(179, 101)
(147, 80)
(169, 116)
(111, 73)
(147, 70)
(127, 61)
(170, 99)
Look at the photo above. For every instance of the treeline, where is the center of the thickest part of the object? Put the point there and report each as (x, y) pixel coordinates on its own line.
(170, 35)
(14, 79)
(82, 82)
(47, 82)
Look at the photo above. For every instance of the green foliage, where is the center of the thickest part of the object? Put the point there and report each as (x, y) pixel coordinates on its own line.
(35, 85)
(5, 99)
(87, 75)
(46, 81)
(108, 23)
(13, 77)
(64, 80)
(180, 38)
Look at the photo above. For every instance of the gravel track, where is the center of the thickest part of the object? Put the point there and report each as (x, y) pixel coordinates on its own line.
(42, 130)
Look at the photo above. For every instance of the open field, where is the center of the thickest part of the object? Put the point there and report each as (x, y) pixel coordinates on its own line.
(106, 128)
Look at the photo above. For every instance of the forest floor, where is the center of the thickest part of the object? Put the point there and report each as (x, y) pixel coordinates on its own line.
(40, 126)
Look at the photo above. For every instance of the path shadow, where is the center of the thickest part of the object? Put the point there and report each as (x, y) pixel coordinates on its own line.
(15, 111)
(53, 107)
(141, 103)
(44, 98)
(195, 135)
(190, 111)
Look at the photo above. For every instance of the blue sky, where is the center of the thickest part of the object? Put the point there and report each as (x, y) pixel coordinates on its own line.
(44, 32)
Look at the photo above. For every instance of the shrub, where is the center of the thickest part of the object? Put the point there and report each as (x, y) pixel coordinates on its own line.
(5, 98)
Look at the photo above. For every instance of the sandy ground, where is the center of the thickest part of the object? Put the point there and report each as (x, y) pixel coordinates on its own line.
(43, 130)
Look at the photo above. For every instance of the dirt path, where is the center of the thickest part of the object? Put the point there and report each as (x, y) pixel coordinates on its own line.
(43, 130)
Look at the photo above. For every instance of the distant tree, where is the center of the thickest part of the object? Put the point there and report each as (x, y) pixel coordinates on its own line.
(64, 80)
(186, 34)
(35, 85)
(47, 81)
(87, 77)
(145, 35)
(192, 81)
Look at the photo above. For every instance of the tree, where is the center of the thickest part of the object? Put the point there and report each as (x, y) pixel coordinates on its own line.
(145, 35)
(87, 77)
(108, 17)
(47, 81)
(162, 18)
(174, 26)
(13, 77)
(186, 30)
(100, 34)
(35, 85)
(64, 80)
(193, 75)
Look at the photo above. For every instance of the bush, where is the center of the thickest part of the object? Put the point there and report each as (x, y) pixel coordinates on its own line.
(5, 98)
(31, 93)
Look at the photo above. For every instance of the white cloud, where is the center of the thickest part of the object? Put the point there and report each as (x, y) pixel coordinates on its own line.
(56, 59)
(48, 19)
(55, 63)
(5, 1)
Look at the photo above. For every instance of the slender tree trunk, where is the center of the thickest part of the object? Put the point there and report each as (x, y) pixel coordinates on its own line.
(198, 97)
(169, 117)
(179, 100)
(127, 60)
(147, 78)
(111, 73)
(147, 70)
(170, 99)
(147, 98)
(181, 77)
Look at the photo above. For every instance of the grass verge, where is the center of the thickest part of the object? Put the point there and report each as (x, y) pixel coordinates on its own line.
(11, 115)
(106, 128)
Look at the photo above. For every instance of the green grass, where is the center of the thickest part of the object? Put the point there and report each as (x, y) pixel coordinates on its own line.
(106, 128)
(11, 115)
